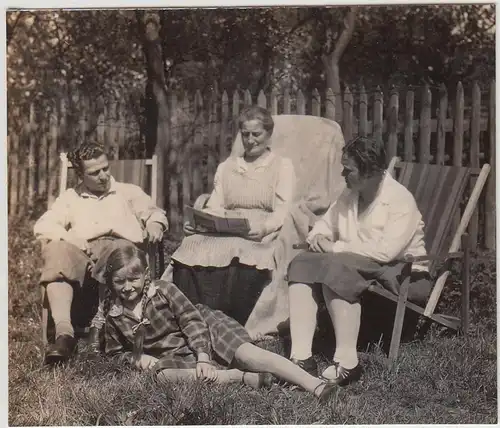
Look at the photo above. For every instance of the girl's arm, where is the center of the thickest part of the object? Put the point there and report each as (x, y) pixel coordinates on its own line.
(114, 348)
(113, 345)
(190, 320)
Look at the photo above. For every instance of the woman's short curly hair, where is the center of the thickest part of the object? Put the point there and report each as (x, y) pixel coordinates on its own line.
(257, 113)
(86, 151)
(369, 154)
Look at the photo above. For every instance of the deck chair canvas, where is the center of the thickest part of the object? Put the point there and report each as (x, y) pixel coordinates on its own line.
(314, 145)
(141, 172)
(438, 191)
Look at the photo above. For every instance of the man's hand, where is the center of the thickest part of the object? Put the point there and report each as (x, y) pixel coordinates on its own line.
(320, 244)
(146, 362)
(155, 231)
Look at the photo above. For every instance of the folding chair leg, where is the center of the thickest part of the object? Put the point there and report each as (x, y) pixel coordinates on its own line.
(398, 320)
(45, 317)
(465, 297)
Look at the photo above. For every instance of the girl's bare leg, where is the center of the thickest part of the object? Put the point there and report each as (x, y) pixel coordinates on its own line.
(253, 358)
(223, 376)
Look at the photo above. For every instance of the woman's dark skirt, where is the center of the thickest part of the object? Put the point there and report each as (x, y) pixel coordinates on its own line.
(349, 275)
(233, 289)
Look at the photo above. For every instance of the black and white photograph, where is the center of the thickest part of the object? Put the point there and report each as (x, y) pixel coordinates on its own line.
(251, 214)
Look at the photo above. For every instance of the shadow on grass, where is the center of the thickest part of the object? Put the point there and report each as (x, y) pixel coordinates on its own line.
(441, 379)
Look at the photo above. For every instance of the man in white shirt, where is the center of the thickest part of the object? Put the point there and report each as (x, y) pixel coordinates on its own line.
(364, 235)
(81, 228)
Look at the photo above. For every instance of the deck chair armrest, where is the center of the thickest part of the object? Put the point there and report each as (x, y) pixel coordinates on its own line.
(433, 257)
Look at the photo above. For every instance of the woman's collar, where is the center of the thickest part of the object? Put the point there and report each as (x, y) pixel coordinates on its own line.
(261, 162)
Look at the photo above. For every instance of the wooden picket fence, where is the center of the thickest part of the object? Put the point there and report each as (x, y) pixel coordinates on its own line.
(426, 125)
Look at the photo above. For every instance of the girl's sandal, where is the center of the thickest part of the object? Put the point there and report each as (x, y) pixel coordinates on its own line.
(325, 394)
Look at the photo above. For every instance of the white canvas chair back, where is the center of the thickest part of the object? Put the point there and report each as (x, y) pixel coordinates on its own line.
(314, 146)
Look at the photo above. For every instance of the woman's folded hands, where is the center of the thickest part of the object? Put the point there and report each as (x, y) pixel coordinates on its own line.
(320, 244)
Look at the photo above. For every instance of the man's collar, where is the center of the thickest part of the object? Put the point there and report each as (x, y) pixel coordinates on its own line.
(84, 192)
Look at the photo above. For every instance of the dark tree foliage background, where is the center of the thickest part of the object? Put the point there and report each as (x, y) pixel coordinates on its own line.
(53, 54)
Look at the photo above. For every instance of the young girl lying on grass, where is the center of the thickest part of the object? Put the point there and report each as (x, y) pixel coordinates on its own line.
(154, 326)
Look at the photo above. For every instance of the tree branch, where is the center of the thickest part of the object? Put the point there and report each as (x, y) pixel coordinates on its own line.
(346, 35)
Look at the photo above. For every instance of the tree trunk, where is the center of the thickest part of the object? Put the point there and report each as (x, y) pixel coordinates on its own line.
(331, 61)
(156, 96)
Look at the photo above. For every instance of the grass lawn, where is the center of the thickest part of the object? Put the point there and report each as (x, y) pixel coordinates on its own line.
(440, 379)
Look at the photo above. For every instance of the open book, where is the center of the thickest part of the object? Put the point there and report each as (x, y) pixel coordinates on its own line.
(220, 223)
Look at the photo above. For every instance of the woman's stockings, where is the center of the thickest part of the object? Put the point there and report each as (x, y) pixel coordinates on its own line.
(346, 318)
(303, 311)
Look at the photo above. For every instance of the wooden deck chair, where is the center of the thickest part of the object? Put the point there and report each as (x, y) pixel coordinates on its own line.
(438, 191)
(141, 172)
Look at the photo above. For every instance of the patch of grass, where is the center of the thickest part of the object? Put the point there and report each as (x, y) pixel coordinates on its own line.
(443, 379)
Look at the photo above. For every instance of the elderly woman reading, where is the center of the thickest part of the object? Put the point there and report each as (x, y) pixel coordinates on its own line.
(364, 235)
(228, 272)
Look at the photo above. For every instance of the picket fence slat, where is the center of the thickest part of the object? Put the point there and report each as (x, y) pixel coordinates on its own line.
(330, 105)
(274, 102)
(287, 102)
(198, 144)
(261, 99)
(348, 106)
(315, 103)
(474, 157)
(441, 130)
(363, 113)
(225, 133)
(186, 159)
(173, 168)
(392, 142)
(409, 121)
(202, 131)
(490, 200)
(425, 127)
(378, 114)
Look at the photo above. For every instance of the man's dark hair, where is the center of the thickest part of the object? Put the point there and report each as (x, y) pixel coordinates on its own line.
(369, 154)
(86, 151)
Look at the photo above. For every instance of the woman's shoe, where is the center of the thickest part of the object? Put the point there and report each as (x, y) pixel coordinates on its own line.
(344, 376)
(309, 365)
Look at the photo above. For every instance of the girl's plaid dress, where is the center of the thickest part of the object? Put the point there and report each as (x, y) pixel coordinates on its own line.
(177, 330)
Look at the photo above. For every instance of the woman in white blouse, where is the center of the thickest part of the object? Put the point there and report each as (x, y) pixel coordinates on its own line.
(364, 235)
(228, 272)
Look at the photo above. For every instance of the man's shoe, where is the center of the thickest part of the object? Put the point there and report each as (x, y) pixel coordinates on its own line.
(309, 365)
(94, 341)
(345, 376)
(60, 351)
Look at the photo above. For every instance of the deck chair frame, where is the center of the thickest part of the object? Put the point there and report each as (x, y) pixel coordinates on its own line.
(460, 239)
(153, 249)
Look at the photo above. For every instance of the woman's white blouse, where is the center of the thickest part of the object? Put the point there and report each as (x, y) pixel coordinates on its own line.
(388, 229)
